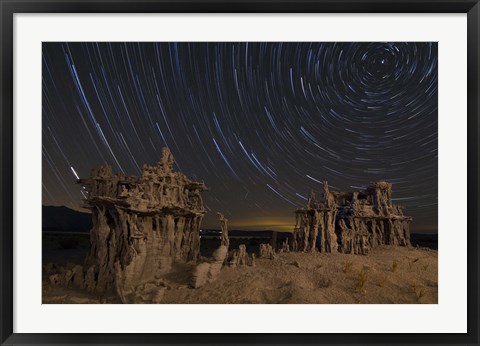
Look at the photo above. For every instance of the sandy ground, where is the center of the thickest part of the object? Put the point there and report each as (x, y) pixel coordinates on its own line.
(388, 275)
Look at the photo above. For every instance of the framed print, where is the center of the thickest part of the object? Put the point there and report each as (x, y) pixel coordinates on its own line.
(239, 173)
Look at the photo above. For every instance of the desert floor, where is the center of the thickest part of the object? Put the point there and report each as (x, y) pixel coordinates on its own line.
(388, 275)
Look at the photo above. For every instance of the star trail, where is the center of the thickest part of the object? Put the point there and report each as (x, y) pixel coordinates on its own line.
(261, 124)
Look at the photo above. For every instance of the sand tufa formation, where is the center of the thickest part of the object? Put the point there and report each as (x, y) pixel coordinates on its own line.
(351, 222)
(141, 225)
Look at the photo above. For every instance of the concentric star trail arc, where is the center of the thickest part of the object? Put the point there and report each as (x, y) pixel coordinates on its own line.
(261, 124)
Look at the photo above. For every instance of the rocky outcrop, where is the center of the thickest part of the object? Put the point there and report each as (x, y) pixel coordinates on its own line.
(70, 275)
(141, 226)
(266, 251)
(285, 246)
(351, 222)
(224, 228)
(207, 272)
(240, 257)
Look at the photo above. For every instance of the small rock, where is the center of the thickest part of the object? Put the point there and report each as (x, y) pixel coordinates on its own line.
(54, 279)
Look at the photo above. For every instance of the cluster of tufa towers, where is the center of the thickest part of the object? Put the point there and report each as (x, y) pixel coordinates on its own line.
(351, 222)
(142, 225)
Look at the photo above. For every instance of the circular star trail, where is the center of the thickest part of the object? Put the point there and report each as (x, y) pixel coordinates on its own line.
(261, 124)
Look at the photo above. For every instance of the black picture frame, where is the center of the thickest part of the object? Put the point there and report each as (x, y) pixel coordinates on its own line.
(10, 7)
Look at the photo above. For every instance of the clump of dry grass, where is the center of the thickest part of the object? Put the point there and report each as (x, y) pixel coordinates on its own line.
(394, 265)
(347, 266)
(362, 280)
(425, 267)
(411, 262)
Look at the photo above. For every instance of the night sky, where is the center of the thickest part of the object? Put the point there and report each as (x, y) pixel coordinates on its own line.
(261, 124)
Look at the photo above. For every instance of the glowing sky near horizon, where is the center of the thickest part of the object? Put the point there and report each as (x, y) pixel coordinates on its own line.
(261, 124)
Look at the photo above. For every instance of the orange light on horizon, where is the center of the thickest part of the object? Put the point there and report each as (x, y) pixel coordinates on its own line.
(276, 224)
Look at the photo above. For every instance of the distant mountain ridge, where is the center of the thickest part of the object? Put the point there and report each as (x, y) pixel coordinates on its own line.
(64, 219)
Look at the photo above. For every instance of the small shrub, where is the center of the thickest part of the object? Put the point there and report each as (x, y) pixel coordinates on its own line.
(323, 282)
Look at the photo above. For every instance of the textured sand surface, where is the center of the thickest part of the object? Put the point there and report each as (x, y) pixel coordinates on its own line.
(388, 275)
